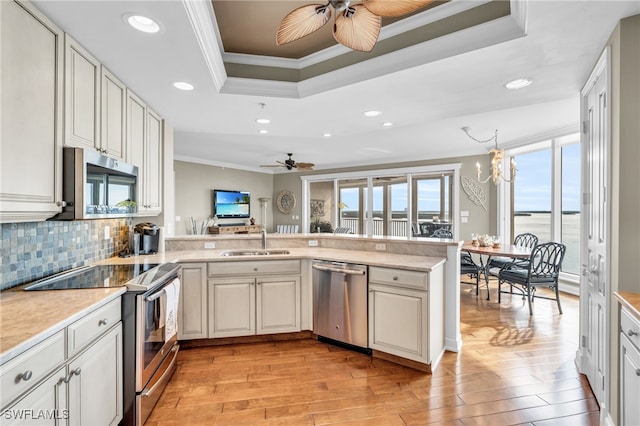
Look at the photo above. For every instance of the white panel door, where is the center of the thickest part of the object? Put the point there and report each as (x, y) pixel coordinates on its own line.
(594, 255)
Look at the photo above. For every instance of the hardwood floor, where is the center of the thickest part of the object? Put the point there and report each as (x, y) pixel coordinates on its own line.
(512, 369)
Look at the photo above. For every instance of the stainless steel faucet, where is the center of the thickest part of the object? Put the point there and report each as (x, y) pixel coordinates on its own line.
(264, 238)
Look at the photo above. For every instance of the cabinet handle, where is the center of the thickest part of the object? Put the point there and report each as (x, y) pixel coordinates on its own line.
(24, 376)
(632, 332)
(395, 278)
(61, 203)
(103, 322)
(255, 269)
(72, 373)
(637, 371)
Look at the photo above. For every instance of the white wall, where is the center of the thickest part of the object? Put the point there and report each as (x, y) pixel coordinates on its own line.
(195, 182)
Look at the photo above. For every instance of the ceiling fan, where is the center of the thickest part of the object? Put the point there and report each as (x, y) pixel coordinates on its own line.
(290, 164)
(356, 26)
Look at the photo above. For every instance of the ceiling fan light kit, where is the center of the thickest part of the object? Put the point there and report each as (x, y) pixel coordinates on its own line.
(356, 26)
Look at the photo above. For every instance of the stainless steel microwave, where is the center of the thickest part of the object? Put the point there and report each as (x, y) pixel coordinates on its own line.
(95, 186)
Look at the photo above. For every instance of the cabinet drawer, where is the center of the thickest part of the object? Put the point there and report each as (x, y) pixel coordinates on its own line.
(85, 330)
(399, 277)
(630, 327)
(25, 370)
(256, 267)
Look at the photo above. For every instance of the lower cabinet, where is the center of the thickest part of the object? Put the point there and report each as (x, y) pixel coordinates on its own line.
(85, 389)
(629, 370)
(406, 313)
(192, 311)
(246, 306)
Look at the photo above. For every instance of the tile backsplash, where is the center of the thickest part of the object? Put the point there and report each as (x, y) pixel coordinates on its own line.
(33, 250)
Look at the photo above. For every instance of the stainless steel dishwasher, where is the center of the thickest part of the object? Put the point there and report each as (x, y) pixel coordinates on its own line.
(340, 302)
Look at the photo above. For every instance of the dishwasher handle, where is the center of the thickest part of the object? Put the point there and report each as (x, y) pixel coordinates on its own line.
(338, 270)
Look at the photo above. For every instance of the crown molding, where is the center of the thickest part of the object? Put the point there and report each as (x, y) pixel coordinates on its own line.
(199, 160)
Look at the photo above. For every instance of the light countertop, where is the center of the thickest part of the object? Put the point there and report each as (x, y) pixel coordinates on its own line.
(630, 301)
(27, 318)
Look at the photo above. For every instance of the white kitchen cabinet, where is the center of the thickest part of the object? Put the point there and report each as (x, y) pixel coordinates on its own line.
(152, 167)
(47, 403)
(114, 115)
(232, 307)
(144, 146)
(83, 387)
(254, 297)
(95, 382)
(32, 54)
(406, 315)
(82, 97)
(192, 314)
(277, 304)
(629, 369)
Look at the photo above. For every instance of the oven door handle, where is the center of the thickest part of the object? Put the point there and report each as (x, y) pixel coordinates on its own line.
(168, 371)
(154, 296)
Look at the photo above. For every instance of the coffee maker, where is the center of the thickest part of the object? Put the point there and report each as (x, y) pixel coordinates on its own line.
(149, 237)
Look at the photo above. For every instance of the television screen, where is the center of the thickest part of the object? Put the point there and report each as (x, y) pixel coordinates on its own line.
(231, 204)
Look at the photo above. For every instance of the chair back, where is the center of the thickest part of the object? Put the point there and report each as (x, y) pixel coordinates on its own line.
(342, 230)
(287, 229)
(442, 233)
(526, 240)
(546, 260)
(415, 230)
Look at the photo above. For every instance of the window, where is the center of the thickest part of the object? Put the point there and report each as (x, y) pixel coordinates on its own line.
(386, 202)
(546, 195)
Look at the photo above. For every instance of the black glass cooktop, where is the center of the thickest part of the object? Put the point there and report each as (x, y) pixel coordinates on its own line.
(94, 277)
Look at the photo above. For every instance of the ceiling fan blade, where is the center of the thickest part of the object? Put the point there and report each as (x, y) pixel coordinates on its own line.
(394, 8)
(304, 166)
(271, 165)
(301, 22)
(357, 28)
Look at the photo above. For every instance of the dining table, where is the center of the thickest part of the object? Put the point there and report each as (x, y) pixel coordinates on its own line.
(496, 250)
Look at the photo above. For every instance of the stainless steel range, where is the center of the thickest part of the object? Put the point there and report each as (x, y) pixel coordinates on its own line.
(149, 344)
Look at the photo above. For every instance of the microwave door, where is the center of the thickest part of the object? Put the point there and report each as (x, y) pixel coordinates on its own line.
(95, 193)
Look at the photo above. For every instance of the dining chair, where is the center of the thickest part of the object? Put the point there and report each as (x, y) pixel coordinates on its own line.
(442, 233)
(526, 240)
(470, 268)
(542, 270)
(415, 229)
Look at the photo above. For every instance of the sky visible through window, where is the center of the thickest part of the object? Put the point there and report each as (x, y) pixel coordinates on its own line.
(428, 198)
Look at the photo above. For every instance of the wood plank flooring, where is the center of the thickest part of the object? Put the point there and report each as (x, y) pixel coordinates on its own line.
(513, 369)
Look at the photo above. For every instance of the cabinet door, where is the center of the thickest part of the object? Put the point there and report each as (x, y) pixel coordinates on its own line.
(113, 123)
(232, 307)
(192, 314)
(277, 305)
(136, 116)
(629, 382)
(152, 197)
(31, 61)
(46, 404)
(95, 385)
(82, 97)
(398, 322)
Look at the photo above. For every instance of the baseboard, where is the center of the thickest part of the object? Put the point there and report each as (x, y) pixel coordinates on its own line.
(402, 361)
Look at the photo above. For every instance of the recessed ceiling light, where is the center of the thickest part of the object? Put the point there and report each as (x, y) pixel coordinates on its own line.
(372, 113)
(144, 24)
(327, 135)
(387, 124)
(183, 85)
(518, 83)
(263, 121)
(263, 131)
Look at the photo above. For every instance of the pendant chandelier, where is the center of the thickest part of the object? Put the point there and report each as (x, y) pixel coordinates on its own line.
(497, 158)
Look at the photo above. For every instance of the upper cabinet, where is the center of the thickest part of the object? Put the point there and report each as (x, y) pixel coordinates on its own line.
(32, 53)
(114, 115)
(144, 144)
(82, 97)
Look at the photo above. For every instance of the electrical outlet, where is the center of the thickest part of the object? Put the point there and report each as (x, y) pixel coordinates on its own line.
(464, 219)
(107, 232)
(178, 218)
(209, 245)
(381, 247)
(313, 243)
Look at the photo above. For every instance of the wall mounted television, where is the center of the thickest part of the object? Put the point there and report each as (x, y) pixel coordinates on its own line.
(231, 204)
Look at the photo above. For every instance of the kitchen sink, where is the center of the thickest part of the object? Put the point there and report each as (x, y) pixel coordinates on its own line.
(254, 252)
